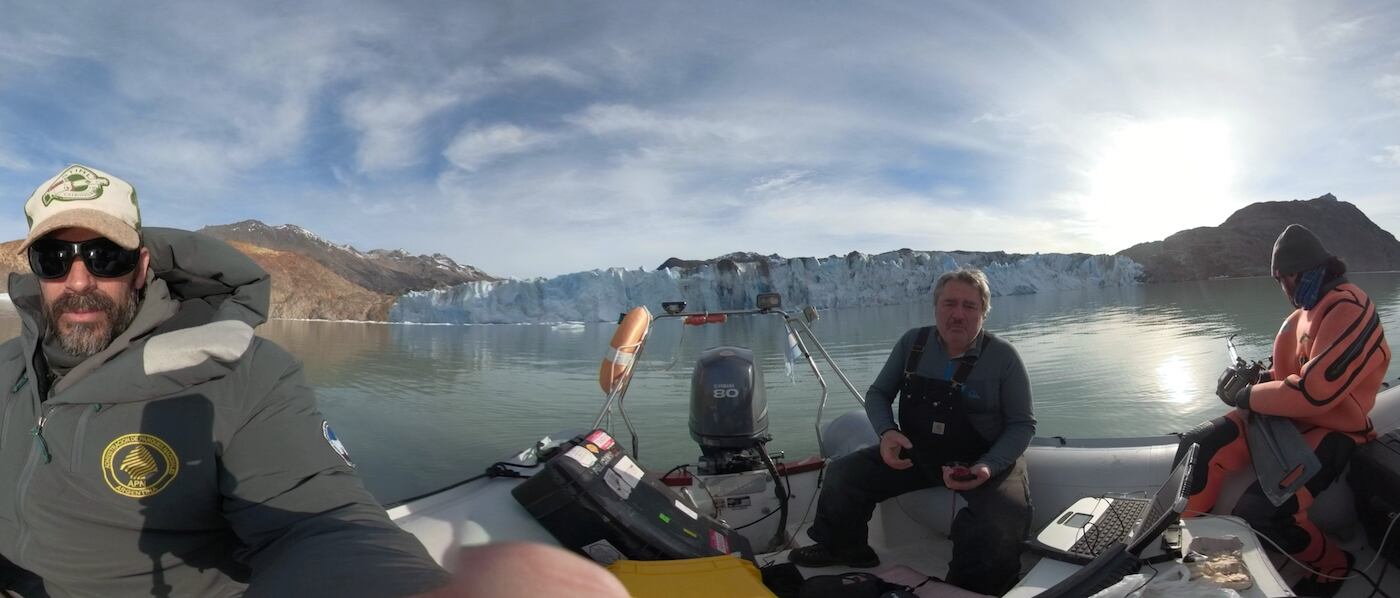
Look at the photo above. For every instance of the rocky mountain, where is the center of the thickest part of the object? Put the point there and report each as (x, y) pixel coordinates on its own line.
(738, 257)
(381, 271)
(1241, 245)
(303, 288)
(11, 261)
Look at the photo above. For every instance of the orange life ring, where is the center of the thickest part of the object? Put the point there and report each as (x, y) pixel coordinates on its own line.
(617, 365)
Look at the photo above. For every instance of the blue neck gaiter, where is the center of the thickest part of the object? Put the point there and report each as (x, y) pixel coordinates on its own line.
(1309, 288)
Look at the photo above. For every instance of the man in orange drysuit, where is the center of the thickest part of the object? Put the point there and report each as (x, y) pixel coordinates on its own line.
(1330, 358)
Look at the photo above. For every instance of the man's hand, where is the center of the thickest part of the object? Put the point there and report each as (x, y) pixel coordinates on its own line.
(890, 443)
(525, 569)
(981, 470)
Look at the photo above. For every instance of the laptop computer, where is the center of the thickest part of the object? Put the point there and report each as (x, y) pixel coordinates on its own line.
(1092, 524)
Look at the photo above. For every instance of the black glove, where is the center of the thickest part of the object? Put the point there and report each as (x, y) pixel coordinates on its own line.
(1229, 385)
(1242, 397)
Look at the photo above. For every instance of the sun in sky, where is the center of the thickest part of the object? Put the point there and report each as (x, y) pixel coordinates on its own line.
(1151, 179)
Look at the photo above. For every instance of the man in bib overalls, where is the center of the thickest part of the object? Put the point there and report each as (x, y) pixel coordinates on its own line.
(964, 398)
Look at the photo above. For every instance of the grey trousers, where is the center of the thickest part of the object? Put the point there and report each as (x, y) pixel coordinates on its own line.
(986, 535)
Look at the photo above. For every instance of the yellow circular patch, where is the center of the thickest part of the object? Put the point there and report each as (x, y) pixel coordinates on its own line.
(138, 465)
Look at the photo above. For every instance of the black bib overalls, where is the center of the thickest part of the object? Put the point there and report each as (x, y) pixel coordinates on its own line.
(933, 412)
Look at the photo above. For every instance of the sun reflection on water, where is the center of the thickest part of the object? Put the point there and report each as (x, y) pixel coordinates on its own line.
(1175, 380)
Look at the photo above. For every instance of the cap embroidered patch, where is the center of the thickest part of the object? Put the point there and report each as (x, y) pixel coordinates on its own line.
(336, 444)
(77, 183)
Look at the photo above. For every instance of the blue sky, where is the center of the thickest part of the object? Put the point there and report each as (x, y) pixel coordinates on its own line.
(537, 138)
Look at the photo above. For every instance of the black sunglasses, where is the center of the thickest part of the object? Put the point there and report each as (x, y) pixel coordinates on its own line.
(52, 258)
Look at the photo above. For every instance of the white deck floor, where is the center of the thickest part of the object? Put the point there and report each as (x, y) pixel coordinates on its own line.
(929, 553)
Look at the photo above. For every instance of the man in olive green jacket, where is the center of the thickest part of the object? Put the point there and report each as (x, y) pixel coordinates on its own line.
(150, 444)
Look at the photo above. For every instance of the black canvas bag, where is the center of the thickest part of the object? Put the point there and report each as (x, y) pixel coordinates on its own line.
(847, 585)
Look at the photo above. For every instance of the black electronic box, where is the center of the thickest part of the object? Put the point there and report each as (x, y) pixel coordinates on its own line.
(1375, 483)
(596, 500)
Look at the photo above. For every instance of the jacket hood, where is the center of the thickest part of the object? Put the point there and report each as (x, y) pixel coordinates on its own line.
(209, 277)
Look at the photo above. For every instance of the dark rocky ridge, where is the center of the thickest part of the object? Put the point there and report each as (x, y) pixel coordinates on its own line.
(738, 257)
(1242, 245)
(729, 261)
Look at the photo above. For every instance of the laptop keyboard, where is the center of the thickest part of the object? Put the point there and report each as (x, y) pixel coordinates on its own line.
(1113, 526)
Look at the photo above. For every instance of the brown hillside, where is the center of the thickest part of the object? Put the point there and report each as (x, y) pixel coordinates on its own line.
(10, 261)
(382, 271)
(302, 288)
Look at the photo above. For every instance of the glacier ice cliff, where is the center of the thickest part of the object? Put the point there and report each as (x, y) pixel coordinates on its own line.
(855, 280)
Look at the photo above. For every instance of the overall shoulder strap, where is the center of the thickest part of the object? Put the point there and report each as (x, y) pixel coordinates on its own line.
(964, 370)
(916, 352)
(965, 364)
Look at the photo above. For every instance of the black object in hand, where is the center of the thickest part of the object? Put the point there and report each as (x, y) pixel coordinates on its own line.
(961, 473)
(1229, 384)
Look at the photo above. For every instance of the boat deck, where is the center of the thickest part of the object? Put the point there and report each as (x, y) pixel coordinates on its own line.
(911, 530)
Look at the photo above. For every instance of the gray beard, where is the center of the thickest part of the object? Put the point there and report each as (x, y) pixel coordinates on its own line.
(88, 339)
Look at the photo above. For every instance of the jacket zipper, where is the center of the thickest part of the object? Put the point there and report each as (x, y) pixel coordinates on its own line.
(38, 432)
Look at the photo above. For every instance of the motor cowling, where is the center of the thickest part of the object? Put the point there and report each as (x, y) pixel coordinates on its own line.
(729, 419)
(728, 405)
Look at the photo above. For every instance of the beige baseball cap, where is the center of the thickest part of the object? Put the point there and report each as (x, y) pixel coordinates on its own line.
(83, 197)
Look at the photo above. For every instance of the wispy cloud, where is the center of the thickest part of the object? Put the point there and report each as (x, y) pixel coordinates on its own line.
(1344, 31)
(476, 147)
(778, 182)
(11, 155)
(1388, 86)
(1389, 156)
(390, 125)
(36, 49)
(537, 67)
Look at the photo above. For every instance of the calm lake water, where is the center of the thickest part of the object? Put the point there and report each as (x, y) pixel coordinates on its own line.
(423, 406)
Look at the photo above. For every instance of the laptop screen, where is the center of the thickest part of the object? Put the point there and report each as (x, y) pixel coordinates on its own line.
(1167, 505)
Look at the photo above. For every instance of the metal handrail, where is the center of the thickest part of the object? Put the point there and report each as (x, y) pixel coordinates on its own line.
(827, 356)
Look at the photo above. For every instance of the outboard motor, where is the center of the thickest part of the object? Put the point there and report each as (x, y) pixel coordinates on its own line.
(728, 410)
(729, 419)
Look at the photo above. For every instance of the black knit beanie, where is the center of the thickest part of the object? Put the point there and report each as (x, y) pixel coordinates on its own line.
(1298, 249)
